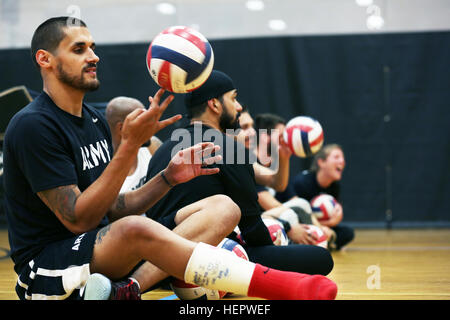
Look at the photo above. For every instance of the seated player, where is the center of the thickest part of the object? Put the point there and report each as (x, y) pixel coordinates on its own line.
(324, 177)
(293, 215)
(116, 112)
(213, 109)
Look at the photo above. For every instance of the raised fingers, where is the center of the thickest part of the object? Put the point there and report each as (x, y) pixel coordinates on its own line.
(168, 122)
(134, 114)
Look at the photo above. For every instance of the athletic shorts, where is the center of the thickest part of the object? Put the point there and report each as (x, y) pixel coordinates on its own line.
(168, 221)
(60, 271)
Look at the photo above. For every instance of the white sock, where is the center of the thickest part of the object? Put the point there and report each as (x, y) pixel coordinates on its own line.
(219, 269)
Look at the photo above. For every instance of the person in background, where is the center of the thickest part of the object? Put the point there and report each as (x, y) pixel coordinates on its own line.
(324, 176)
(213, 110)
(295, 214)
(116, 112)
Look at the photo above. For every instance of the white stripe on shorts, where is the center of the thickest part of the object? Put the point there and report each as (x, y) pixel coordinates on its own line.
(74, 277)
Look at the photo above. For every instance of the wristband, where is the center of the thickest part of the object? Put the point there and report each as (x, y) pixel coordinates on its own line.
(163, 176)
(286, 225)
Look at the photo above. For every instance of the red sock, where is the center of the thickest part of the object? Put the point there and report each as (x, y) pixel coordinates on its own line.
(274, 284)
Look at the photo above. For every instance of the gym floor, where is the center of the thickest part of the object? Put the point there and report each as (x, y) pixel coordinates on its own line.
(399, 264)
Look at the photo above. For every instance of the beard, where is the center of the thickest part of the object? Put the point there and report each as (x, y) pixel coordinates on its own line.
(77, 82)
(227, 121)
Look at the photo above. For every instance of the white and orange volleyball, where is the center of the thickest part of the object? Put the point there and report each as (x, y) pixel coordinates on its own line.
(304, 136)
(323, 206)
(180, 59)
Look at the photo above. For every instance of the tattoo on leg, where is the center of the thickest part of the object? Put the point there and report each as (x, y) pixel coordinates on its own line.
(101, 234)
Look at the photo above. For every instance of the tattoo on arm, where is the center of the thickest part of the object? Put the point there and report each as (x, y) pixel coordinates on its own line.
(101, 234)
(62, 200)
(120, 202)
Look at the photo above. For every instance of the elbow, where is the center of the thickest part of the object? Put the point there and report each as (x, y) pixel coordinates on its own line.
(79, 226)
(77, 229)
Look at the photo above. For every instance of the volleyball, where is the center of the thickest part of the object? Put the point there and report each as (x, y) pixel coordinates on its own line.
(186, 291)
(319, 235)
(323, 206)
(234, 247)
(180, 59)
(304, 136)
(274, 226)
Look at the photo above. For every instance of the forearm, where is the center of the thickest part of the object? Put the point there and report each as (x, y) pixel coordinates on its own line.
(267, 201)
(281, 178)
(277, 180)
(274, 212)
(94, 202)
(140, 200)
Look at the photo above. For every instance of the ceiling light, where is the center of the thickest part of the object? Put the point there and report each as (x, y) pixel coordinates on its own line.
(374, 22)
(364, 3)
(277, 25)
(166, 8)
(255, 5)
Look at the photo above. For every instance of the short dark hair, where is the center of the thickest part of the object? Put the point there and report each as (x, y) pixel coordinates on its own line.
(268, 121)
(197, 111)
(50, 33)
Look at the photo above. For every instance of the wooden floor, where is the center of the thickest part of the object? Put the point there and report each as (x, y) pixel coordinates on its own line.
(379, 264)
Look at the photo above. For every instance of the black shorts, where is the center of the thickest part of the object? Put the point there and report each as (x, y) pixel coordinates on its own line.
(60, 271)
(168, 221)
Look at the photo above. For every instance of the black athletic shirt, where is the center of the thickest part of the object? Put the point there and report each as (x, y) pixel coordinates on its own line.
(306, 186)
(46, 147)
(236, 179)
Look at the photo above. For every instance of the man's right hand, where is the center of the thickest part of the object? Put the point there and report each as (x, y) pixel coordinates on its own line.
(140, 125)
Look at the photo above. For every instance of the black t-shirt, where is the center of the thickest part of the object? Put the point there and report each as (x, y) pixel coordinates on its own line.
(44, 148)
(306, 186)
(287, 194)
(236, 179)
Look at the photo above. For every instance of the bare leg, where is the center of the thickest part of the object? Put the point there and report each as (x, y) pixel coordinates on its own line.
(208, 220)
(122, 244)
(126, 241)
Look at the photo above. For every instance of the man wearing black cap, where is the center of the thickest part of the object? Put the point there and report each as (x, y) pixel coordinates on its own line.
(213, 109)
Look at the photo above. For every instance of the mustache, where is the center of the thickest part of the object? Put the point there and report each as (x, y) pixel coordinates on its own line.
(90, 65)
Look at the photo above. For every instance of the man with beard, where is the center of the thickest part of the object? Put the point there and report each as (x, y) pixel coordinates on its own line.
(62, 185)
(214, 111)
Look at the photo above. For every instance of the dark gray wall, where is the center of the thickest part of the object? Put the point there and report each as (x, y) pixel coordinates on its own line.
(384, 98)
